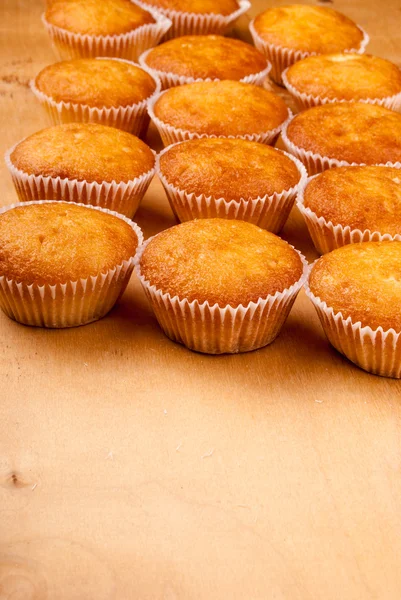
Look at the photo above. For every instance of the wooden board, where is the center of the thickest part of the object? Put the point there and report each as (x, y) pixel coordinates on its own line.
(132, 468)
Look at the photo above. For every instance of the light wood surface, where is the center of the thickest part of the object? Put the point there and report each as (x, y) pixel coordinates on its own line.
(132, 468)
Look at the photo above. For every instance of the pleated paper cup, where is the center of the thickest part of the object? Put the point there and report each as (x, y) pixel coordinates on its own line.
(71, 303)
(130, 45)
(123, 197)
(305, 101)
(281, 58)
(213, 329)
(170, 134)
(133, 118)
(377, 351)
(268, 212)
(169, 79)
(185, 23)
(326, 236)
(317, 163)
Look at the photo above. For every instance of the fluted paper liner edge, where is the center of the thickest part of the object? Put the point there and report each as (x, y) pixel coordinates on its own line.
(169, 79)
(71, 303)
(132, 118)
(170, 134)
(327, 236)
(282, 57)
(212, 329)
(184, 23)
(122, 197)
(269, 212)
(377, 351)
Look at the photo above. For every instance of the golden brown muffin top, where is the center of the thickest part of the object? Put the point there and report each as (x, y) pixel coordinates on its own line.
(221, 108)
(228, 168)
(219, 7)
(96, 82)
(308, 28)
(94, 17)
(350, 131)
(202, 56)
(360, 197)
(348, 76)
(83, 151)
(220, 261)
(57, 242)
(363, 281)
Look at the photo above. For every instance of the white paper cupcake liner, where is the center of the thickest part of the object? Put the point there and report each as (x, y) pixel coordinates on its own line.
(212, 329)
(316, 163)
(170, 134)
(123, 197)
(305, 101)
(374, 350)
(326, 236)
(169, 79)
(281, 57)
(268, 212)
(133, 118)
(70, 303)
(184, 23)
(128, 45)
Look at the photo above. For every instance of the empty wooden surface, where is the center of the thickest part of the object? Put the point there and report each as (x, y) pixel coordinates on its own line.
(132, 468)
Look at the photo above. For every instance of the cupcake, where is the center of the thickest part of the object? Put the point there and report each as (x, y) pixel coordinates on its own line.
(63, 264)
(343, 134)
(356, 292)
(205, 57)
(352, 204)
(344, 78)
(220, 286)
(218, 109)
(230, 179)
(109, 91)
(83, 162)
(289, 33)
(89, 28)
(198, 17)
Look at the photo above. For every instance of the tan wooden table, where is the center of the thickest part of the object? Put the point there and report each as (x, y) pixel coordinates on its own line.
(132, 468)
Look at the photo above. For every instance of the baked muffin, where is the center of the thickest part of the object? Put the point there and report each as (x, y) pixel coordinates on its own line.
(356, 291)
(352, 204)
(344, 77)
(89, 28)
(83, 162)
(289, 33)
(63, 264)
(231, 179)
(220, 109)
(205, 57)
(220, 286)
(198, 17)
(109, 91)
(342, 134)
